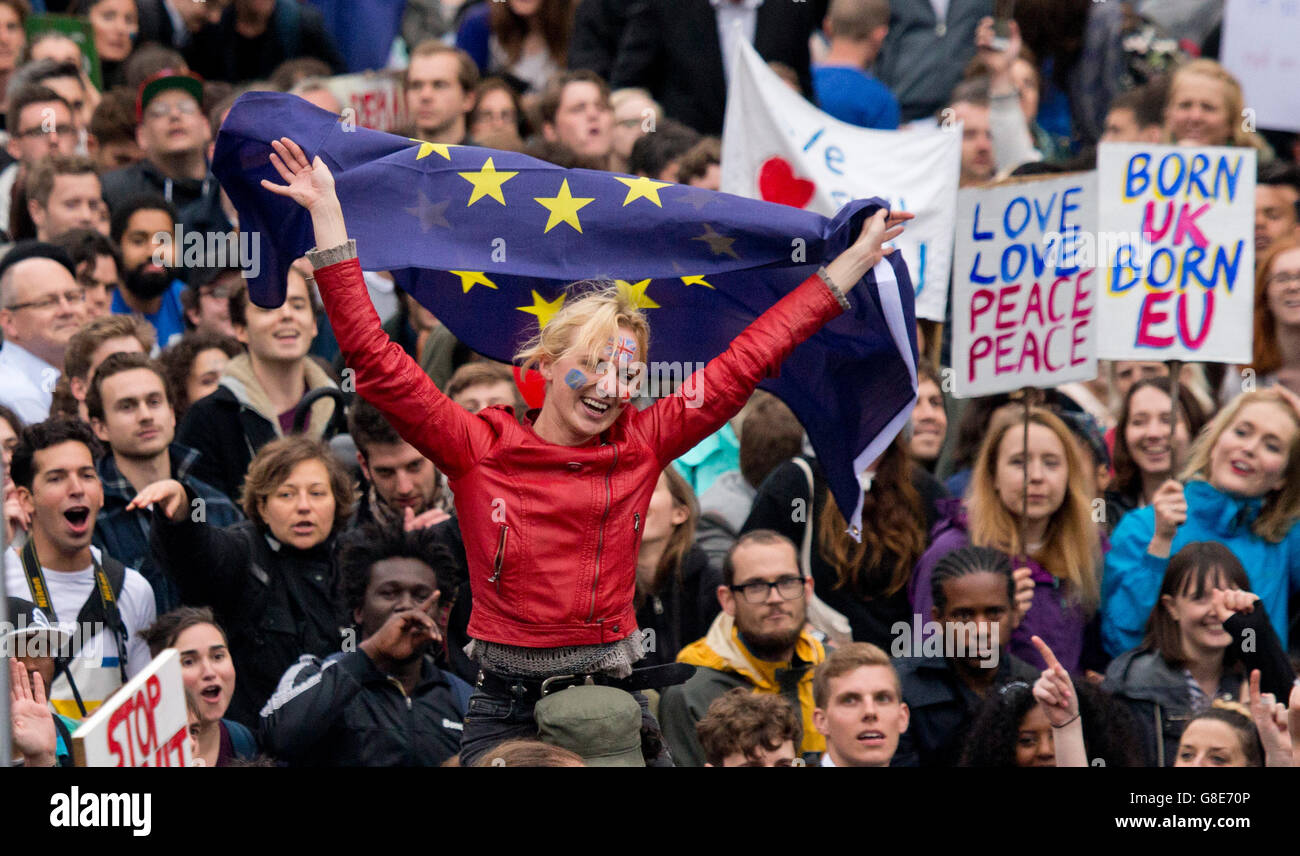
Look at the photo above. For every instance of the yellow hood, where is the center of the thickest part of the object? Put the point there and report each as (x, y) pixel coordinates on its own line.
(722, 650)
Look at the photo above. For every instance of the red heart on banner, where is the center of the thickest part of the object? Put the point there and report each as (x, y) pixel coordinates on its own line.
(778, 183)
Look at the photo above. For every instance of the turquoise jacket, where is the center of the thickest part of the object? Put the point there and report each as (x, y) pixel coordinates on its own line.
(1131, 584)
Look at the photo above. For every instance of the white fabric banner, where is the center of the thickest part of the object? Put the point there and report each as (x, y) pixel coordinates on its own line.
(1259, 47)
(1177, 255)
(778, 147)
(1025, 286)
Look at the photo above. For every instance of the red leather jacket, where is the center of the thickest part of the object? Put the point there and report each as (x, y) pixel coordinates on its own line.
(552, 532)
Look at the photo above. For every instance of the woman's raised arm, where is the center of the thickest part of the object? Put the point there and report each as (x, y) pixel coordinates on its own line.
(311, 185)
(717, 392)
(386, 376)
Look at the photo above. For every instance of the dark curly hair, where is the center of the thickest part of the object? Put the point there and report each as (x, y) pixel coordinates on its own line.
(1109, 732)
(43, 435)
(361, 548)
(178, 360)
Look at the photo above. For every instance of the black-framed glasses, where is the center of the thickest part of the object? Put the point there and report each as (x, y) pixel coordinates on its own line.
(1284, 278)
(74, 298)
(758, 591)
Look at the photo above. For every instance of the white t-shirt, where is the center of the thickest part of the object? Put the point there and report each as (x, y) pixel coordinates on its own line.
(95, 666)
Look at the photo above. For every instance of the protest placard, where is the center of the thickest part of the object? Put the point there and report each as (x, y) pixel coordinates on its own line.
(1024, 285)
(1259, 47)
(778, 147)
(144, 724)
(372, 99)
(1178, 280)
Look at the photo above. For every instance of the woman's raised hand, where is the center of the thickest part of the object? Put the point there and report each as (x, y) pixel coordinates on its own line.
(1170, 508)
(1272, 721)
(169, 494)
(1023, 578)
(308, 184)
(1226, 602)
(852, 264)
(1054, 689)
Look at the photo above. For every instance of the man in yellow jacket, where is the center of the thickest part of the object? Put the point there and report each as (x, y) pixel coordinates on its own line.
(757, 641)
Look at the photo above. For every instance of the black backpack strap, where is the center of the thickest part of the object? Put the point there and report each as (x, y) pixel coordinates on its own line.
(62, 729)
(101, 606)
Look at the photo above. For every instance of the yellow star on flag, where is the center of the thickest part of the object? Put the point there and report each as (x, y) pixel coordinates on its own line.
(643, 188)
(470, 278)
(487, 182)
(544, 309)
(635, 293)
(695, 280)
(563, 207)
(427, 149)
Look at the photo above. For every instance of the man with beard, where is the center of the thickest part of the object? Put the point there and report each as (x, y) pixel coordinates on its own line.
(382, 703)
(149, 287)
(757, 642)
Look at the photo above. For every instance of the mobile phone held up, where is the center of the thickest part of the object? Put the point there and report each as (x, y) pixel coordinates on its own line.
(1003, 11)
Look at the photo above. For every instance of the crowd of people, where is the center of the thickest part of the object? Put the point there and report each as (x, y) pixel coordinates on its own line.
(372, 546)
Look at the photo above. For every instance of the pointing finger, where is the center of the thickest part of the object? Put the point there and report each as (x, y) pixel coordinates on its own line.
(1046, 652)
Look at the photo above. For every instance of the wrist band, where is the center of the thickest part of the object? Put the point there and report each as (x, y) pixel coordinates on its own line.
(1067, 722)
(840, 296)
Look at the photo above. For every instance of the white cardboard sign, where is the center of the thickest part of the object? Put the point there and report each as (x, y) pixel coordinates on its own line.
(1024, 286)
(1178, 268)
(144, 724)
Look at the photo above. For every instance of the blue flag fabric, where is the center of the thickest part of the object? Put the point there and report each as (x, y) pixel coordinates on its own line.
(488, 241)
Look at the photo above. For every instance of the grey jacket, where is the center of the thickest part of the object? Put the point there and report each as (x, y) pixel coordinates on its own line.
(921, 59)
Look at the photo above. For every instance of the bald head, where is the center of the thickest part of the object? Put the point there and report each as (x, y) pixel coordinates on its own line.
(41, 307)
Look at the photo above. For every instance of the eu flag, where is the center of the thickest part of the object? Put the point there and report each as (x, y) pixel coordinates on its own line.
(488, 240)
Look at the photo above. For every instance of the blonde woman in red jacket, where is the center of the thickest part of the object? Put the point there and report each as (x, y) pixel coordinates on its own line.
(551, 511)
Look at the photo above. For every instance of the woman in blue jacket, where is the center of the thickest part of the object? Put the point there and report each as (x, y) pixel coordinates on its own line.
(1243, 490)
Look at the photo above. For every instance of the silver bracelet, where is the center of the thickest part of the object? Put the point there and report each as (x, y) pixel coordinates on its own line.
(840, 296)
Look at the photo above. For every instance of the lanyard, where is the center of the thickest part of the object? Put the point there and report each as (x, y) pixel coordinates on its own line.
(108, 603)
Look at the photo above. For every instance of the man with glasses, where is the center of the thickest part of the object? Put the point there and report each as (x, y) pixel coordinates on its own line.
(206, 299)
(40, 124)
(173, 133)
(757, 642)
(41, 307)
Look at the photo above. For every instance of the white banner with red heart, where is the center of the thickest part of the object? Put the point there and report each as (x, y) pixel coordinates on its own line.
(778, 147)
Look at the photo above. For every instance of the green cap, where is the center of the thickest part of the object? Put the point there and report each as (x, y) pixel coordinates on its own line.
(602, 724)
(163, 80)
